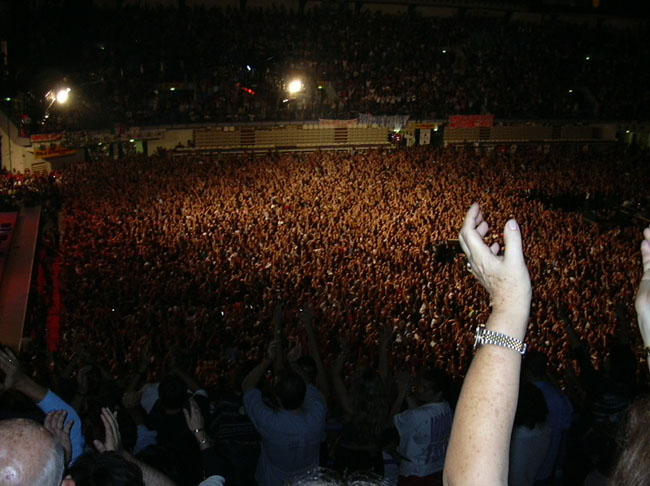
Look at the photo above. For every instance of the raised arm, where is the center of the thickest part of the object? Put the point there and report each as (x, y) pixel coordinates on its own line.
(337, 379)
(44, 399)
(307, 319)
(255, 375)
(480, 438)
(113, 443)
(642, 301)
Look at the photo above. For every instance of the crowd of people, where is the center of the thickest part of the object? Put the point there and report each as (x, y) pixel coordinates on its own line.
(135, 66)
(187, 249)
(193, 275)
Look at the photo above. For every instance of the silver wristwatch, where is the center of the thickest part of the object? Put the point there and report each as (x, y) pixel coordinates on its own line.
(485, 336)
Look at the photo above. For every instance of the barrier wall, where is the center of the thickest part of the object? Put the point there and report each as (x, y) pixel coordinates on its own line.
(532, 133)
(307, 136)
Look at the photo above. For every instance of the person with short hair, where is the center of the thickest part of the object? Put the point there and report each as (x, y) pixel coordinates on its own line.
(29, 454)
(291, 433)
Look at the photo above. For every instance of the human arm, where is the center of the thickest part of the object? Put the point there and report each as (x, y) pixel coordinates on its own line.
(403, 384)
(278, 338)
(143, 365)
(44, 399)
(386, 334)
(337, 379)
(307, 318)
(55, 423)
(212, 465)
(113, 442)
(480, 437)
(642, 300)
(255, 375)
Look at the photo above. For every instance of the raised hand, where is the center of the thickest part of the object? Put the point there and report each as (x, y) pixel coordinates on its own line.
(642, 301)
(307, 317)
(55, 423)
(505, 277)
(112, 437)
(294, 353)
(193, 417)
(11, 366)
(272, 350)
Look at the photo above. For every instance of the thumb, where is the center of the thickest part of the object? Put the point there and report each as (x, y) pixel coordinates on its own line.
(99, 446)
(513, 253)
(645, 255)
(187, 416)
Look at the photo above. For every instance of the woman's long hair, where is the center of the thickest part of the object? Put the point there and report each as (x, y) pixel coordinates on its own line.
(633, 467)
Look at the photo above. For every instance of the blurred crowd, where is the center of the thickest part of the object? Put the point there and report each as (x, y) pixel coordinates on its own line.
(176, 266)
(135, 66)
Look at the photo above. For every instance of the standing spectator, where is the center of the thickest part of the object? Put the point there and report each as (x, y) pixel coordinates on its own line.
(291, 432)
(424, 429)
(560, 412)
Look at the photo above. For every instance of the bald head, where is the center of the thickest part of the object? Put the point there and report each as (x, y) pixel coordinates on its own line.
(29, 455)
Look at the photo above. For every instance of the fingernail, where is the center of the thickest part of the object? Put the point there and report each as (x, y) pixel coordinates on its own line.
(512, 224)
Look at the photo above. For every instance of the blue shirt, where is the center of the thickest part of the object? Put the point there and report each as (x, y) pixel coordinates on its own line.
(51, 402)
(290, 440)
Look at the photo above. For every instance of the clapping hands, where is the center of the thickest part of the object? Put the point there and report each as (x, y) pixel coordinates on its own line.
(505, 277)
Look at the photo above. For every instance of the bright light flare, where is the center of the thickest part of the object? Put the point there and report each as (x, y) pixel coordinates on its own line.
(62, 95)
(295, 86)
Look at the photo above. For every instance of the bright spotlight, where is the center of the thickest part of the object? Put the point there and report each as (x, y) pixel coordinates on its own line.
(295, 86)
(62, 95)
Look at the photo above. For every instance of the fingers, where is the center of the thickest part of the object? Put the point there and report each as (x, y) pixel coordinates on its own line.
(188, 419)
(55, 420)
(482, 229)
(645, 250)
(6, 359)
(494, 248)
(514, 254)
(99, 446)
(474, 230)
(194, 407)
(111, 428)
(472, 214)
(11, 355)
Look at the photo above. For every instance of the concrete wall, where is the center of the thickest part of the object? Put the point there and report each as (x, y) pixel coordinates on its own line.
(13, 154)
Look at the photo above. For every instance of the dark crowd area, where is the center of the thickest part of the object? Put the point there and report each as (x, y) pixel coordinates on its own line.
(180, 274)
(144, 66)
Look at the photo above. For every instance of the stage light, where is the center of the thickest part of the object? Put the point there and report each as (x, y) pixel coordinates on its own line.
(62, 95)
(570, 91)
(172, 89)
(444, 51)
(587, 58)
(295, 86)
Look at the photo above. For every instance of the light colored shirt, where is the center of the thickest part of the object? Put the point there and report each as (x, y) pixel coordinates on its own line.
(290, 440)
(423, 438)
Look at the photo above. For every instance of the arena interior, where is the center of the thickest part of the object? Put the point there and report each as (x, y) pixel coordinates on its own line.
(188, 187)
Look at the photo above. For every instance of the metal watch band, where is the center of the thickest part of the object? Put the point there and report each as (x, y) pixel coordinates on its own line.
(485, 336)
